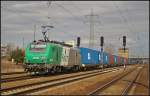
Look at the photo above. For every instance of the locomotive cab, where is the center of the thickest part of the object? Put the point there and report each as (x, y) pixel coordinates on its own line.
(41, 57)
(35, 56)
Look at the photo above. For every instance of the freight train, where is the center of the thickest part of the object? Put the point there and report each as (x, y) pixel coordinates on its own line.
(53, 56)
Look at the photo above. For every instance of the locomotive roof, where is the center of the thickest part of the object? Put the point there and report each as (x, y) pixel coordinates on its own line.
(54, 42)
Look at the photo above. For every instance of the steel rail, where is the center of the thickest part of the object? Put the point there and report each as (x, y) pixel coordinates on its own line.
(106, 85)
(12, 73)
(129, 86)
(73, 78)
(17, 78)
(5, 80)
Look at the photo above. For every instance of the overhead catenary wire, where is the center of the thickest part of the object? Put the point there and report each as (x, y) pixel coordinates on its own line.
(123, 17)
(34, 32)
(125, 21)
(49, 4)
(68, 11)
(131, 26)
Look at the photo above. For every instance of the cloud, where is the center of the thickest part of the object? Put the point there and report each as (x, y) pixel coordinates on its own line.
(70, 20)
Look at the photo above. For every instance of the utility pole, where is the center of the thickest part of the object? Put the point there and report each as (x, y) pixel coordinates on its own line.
(124, 44)
(23, 42)
(101, 44)
(34, 32)
(22, 39)
(48, 17)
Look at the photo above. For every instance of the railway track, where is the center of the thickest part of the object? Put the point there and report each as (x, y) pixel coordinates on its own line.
(14, 76)
(111, 83)
(18, 78)
(12, 73)
(129, 86)
(23, 77)
(34, 87)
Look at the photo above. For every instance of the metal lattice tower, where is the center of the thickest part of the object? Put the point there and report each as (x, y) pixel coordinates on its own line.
(92, 22)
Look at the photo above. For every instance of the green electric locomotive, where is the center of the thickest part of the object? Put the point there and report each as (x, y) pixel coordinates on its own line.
(50, 57)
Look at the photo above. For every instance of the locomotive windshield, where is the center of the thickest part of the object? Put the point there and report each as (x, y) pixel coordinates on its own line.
(37, 47)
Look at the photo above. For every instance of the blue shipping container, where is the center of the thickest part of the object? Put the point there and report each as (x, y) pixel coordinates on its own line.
(105, 58)
(99, 57)
(89, 56)
(95, 57)
(115, 59)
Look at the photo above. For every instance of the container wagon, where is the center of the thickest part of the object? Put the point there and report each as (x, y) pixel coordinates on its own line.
(85, 56)
(89, 57)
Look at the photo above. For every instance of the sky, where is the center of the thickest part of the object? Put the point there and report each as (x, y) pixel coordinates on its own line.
(112, 19)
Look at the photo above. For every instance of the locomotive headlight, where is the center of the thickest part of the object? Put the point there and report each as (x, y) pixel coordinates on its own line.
(51, 60)
(26, 61)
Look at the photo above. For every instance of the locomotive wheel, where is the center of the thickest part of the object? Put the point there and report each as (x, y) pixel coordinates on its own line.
(79, 68)
(62, 69)
(26, 70)
(46, 71)
(53, 70)
(75, 68)
(83, 68)
(58, 69)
